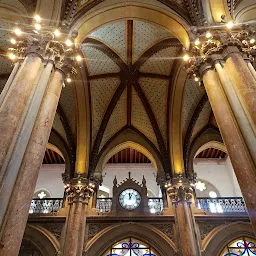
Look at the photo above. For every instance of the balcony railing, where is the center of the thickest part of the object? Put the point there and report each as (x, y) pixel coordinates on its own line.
(155, 205)
(226, 205)
(48, 205)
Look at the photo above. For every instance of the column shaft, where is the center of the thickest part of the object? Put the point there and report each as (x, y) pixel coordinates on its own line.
(240, 157)
(243, 82)
(15, 102)
(188, 243)
(241, 116)
(17, 214)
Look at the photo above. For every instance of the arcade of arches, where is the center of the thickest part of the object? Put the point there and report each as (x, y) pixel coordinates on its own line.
(127, 127)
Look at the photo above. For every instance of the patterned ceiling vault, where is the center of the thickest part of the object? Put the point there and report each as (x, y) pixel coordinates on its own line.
(202, 120)
(191, 97)
(129, 65)
(114, 36)
(145, 35)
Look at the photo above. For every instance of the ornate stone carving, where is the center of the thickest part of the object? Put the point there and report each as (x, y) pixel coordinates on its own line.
(180, 189)
(217, 46)
(79, 190)
(46, 47)
(54, 228)
(166, 228)
(94, 229)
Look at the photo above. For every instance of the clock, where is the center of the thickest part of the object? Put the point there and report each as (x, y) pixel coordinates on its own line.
(129, 199)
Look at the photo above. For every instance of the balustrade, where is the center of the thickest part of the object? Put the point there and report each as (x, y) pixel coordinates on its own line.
(221, 205)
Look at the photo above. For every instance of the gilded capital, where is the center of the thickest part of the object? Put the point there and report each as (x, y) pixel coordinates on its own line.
(218, 45)
(80, 189)
(180, 189)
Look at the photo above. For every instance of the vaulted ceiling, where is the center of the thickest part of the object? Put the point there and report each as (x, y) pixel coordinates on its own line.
(129, 65)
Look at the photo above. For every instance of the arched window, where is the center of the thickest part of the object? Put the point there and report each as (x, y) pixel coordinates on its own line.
(241, 246)
(130, 247)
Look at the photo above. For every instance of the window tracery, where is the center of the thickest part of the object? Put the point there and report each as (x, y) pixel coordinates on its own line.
(130, 247)
(240, 246)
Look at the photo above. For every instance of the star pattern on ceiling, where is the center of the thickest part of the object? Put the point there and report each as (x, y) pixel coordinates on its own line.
(129, 75)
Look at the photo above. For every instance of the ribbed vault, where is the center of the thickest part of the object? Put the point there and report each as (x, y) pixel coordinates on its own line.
(129, 65)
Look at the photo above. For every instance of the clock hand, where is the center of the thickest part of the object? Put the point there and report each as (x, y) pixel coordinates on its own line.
(130, 196)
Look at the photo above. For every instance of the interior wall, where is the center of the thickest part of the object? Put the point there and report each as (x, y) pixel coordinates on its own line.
(220, 173)
(50, 178)
(137, 171)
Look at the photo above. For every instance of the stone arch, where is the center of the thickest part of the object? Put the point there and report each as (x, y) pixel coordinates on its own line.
(42, 239)
(207, 135)
(139, 10)
(212, 144)
(129, 138)
(146, 233)
(55, 149)
(245, 11)
(214, 9)
(219, 237)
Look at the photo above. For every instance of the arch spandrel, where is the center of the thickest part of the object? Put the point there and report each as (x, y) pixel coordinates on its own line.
(133, 10)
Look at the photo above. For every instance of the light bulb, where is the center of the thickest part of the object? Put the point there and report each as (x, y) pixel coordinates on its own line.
(12, 56)
(57, 33)
(13, 41)
(230, 25)
(208, 34)
(18, 31)
(68, 42)
(78, 58)
(197, 42)
(186, 57)
(252, 41)
(196, 79)
(37, 18)
(37, 26)
(68, 80)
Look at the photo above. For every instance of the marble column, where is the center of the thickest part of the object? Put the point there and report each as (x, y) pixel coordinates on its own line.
(15, 102)
(18, 205)
(233, 138)
(78, 193)
(243, 81)
(181, 194)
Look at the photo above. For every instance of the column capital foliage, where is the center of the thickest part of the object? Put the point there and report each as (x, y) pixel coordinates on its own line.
(180, 189)
(218, 45)
(80, 189)
(47, 48)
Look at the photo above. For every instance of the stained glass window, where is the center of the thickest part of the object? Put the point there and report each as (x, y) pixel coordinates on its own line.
(241, 246)
(130, 247)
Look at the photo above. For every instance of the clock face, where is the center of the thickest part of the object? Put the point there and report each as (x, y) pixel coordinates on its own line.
(130, 199)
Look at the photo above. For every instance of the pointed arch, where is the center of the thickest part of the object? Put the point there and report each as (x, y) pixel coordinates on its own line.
(170, 20)
(129, 137)
(147, 233)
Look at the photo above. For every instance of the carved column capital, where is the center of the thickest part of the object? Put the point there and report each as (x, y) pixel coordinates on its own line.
(218, 45)
(180, 189)
(48, 48)
(80, 189)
